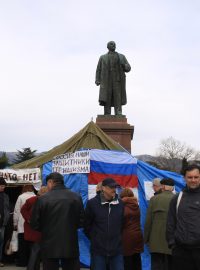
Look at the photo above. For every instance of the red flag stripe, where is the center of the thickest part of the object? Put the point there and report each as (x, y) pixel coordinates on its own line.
(123, 180)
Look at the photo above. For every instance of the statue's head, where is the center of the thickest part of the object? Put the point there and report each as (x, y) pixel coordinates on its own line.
(111, 46)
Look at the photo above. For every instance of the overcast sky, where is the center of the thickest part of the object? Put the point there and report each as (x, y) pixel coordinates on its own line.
(48, 56)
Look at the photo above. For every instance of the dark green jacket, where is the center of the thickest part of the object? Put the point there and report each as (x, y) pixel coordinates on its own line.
(155, 225)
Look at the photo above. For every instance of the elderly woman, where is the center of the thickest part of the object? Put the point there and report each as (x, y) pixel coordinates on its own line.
(132, 238)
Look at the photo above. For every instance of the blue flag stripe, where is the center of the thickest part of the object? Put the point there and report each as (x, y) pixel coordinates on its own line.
(108, 168)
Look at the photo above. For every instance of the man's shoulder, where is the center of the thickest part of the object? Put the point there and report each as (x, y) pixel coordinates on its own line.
(153, 198)
(165, 194)
(156, 198)
(174, 199)
(94, 200)
(72, 194)
(63, 192)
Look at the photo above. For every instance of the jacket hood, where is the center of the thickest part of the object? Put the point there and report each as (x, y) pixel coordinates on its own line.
(131, 202)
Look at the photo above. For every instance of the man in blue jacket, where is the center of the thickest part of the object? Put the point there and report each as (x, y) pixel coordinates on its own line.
(103, 226)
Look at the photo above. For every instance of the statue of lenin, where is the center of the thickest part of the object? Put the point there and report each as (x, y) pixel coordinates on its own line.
(110, 75)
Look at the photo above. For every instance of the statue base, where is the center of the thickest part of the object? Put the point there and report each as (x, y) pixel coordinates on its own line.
(117, 128)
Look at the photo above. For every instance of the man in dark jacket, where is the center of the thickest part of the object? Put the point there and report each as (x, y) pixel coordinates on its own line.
(4, 214)
(58, 214)
(103, 226)
(183, 225)
(155, 226)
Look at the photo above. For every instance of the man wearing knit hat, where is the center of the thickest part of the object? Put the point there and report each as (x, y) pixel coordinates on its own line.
(4, 214)
(155, 226)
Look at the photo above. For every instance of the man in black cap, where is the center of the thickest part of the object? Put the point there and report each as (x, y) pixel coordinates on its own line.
(103, 226)
(155, 226)
(4, 214)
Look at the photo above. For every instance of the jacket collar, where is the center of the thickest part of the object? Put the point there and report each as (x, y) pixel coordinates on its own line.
(104, 201)
(192, 190)
(58, 187)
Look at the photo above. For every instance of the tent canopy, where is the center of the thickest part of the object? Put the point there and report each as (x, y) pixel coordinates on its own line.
(90, 137)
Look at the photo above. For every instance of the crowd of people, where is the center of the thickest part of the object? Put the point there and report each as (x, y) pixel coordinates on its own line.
(48, 223)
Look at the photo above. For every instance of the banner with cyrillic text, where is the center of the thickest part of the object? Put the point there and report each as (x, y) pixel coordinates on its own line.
(77, 162)
(21, 176)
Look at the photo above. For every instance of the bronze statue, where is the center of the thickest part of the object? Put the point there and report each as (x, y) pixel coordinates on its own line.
(110, 75)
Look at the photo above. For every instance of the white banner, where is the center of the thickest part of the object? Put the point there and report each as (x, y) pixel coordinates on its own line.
(78, 162)
(22, 176)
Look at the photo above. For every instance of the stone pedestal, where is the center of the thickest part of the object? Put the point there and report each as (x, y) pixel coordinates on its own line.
(117, 128)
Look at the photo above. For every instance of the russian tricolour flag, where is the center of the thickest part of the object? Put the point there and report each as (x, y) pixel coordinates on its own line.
(120, 166)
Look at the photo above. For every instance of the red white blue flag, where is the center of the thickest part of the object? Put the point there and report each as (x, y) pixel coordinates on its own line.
(120, 166)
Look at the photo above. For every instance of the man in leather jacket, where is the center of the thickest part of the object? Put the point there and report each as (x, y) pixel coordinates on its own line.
(57, 215)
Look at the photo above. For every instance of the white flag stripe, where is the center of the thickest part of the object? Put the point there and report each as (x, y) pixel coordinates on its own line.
(115, 157)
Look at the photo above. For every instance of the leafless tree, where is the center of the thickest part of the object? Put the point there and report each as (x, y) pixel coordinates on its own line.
(172, 154)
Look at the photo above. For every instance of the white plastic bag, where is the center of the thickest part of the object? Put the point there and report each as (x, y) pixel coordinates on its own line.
(14, 242)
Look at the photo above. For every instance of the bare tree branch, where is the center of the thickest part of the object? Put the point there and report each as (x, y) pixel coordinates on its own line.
(171, 151)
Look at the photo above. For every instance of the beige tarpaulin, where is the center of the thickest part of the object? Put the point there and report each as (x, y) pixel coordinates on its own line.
(90, 137)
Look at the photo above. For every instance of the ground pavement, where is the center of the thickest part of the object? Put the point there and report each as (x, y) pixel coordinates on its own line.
(13, 267)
